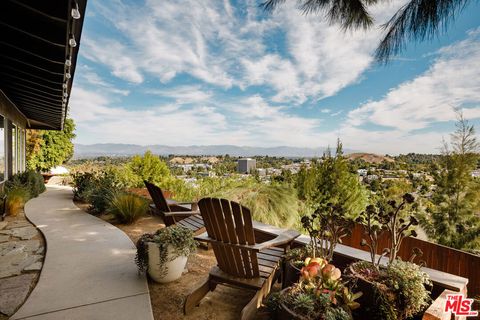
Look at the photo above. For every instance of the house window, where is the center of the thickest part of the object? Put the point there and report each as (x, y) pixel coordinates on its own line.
(2, 148)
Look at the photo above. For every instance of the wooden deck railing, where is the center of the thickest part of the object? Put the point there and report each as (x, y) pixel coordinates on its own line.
(348, 252)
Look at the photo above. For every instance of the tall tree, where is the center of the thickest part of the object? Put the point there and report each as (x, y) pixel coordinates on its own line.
(330, 181)
(150, 168)
(48, 148)
(455, 215)
(417, 20)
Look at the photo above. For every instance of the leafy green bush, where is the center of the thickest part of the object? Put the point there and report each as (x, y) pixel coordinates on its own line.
(31, 180)
(330, 181)
(127, 207)
(49, 148)
(101, 191)
(181, 190)
(82, 184)
(149, 167)
(97, 188)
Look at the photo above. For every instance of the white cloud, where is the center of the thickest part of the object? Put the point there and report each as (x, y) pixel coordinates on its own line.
(224, 47)
(452, 81)
(113, 54)
(183, 94)
(92, 78)
(250, 121)
(227, 46)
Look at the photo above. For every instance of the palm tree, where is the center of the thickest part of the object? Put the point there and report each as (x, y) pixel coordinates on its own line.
(417, 20)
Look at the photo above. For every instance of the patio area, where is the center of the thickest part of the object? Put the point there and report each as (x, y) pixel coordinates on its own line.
(89, 270)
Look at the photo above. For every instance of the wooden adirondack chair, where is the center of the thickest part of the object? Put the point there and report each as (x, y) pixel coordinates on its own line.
(241, 261)
(174, 212)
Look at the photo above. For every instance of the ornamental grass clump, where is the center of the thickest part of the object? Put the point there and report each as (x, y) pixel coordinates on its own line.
(277, 205)
(127, 207)
(16, 198)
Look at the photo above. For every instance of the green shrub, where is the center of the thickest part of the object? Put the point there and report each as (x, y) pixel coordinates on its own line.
(16, 198)
(96, 188)
(101, 191)
(149, 167)
(127, 207)
(30, 180)
(82, 184)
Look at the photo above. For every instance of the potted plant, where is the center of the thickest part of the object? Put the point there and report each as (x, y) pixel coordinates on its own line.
(326, 227)
(396, 290)
(319, 294)
(164, 254)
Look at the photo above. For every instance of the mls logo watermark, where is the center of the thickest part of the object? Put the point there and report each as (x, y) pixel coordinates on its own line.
(459, 305)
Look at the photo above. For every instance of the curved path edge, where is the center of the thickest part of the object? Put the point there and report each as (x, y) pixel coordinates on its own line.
(89, 270)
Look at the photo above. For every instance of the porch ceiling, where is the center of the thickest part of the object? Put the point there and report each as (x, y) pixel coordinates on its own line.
(37, 60)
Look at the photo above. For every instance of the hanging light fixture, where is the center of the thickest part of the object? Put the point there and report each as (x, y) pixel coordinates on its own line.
(64, 86)
(75, 12)
(72, 42)
(68, 75)
(68, 62)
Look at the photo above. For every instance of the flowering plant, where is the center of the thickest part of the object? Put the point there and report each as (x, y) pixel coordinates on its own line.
(320, 293)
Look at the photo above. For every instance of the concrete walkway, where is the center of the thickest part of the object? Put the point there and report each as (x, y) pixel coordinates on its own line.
(89, 270)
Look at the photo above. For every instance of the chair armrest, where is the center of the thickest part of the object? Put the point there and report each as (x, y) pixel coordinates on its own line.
(284, 238)
(185, 203)
(181, 213)
(180, 207)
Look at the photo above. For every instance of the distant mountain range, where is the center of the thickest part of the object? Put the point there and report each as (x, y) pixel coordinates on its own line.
(117, 149)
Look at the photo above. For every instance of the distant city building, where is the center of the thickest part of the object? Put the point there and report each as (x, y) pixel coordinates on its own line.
(246, 165)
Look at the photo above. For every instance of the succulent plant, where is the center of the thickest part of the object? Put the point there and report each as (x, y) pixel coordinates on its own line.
(391, 218)
(326, 227)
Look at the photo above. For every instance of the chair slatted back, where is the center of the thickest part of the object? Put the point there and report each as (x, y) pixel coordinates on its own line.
(228, 222)
(157, 197)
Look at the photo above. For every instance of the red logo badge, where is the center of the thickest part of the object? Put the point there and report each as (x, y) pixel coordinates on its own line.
(459, 305)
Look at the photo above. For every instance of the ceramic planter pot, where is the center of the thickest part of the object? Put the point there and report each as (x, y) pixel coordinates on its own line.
(156, 272)
(291, 274)
(284, 313)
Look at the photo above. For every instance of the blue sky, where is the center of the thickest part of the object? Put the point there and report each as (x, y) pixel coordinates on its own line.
(223, 72)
